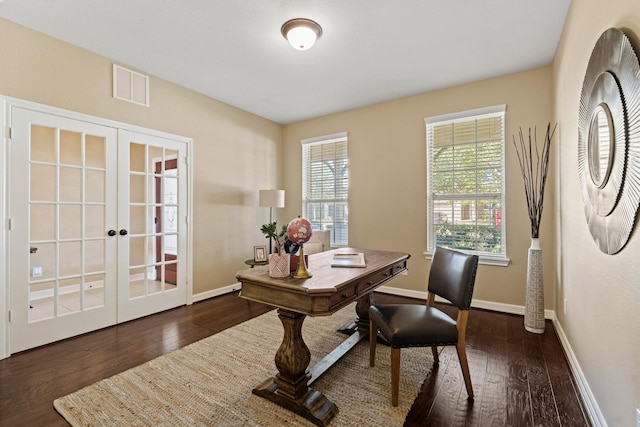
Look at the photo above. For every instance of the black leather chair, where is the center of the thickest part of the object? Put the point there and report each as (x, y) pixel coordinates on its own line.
(452, 277)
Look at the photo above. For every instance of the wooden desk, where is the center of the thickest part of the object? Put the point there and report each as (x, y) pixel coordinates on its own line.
(327, 291)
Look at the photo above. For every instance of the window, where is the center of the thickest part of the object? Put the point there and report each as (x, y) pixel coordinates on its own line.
(325, 185)
(465, 183)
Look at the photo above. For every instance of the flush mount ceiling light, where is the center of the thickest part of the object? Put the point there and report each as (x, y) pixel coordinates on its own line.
(301, 33)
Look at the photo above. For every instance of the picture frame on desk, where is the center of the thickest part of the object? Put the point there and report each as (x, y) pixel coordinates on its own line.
(260, 253)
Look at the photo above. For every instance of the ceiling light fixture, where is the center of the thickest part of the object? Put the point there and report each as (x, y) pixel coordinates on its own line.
(301, 33)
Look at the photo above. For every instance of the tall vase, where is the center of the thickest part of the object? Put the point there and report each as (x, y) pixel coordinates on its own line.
(534, 306)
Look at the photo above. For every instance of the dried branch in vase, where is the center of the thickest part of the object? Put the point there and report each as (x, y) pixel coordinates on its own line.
(534, 164)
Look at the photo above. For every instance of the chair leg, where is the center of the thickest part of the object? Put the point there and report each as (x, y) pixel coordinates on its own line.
(373, 338)
(462, 355)
(436, 357)
(395, 375)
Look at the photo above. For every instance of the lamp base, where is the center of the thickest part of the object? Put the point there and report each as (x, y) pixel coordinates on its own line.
(301, 272)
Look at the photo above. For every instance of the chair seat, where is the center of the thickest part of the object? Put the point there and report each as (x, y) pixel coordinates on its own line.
(413, 325)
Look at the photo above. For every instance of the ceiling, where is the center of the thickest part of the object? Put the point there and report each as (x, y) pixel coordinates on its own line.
(370, 51)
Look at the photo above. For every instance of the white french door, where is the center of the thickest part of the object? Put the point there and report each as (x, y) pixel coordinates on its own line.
(63, 201)
(98, 226)
(152, 245)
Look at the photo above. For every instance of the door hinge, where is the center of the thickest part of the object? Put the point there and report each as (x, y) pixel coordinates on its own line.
(9, 133)
(9, 224)
(9, 316)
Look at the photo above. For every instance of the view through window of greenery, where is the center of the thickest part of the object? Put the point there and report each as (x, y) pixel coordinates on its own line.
(465, 182)
(325, 186)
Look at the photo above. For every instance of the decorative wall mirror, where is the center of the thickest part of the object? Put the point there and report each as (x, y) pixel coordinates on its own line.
(600, 146)
(609, 141)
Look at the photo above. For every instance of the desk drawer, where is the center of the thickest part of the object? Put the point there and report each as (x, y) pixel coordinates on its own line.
(346, 294)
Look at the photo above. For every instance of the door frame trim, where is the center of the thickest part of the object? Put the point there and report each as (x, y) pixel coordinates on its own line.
(6, 103)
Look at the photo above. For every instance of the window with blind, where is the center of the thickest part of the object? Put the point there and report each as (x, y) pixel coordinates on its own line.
(465, 183)
(325, 185)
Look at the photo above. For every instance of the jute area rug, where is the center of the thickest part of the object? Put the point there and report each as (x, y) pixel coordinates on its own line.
(209, 383)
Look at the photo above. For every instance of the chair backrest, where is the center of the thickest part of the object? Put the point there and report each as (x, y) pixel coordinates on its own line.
(452, 276)
(319, 242)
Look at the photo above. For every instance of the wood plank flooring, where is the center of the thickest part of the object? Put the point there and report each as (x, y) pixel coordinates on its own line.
(519, 379)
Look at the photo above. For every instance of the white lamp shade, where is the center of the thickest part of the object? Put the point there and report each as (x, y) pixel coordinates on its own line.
(272, 198)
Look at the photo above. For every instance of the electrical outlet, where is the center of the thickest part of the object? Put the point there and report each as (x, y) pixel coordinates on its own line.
(36, 272)
(565, 306)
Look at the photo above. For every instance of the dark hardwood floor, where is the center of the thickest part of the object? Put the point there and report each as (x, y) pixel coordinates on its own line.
(519, 379)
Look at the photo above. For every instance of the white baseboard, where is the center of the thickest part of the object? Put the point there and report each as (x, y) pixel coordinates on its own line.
(590, 403)
(216, 292)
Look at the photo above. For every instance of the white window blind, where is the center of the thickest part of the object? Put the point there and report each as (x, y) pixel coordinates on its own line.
(325, 185)
(465, 182)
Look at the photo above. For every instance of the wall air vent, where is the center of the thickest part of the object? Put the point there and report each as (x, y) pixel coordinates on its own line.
(130, 86)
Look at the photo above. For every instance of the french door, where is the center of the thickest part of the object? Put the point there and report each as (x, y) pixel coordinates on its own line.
(92, 206)
(152, 193)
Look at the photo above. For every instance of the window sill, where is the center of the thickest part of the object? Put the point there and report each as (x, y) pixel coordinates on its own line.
(498, 261)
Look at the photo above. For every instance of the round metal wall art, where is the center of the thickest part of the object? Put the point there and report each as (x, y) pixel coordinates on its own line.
(609, 141)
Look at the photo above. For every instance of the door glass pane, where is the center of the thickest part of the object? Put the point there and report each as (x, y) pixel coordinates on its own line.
(137, 282)
(170, 190)
(171, 274)
(42, 262)
(170, 219)
(95, 152)
(70, 148)
(42, 222)
(155, 154)
(137, 219)
(170, 246)
(43, 144)
(137, 156)
(70, 221)
(154, 286)
(69, 296)
(137, 251)
(70, 184)
(70, 258)
(94, 291)
(94, 256)
(171, 162)
(137, 189)
(95, 186)
(43, 183)
(94, 221)
(41, 301)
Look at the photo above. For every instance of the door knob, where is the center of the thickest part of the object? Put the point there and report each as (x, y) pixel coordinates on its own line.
(111, 232)
(123, 232)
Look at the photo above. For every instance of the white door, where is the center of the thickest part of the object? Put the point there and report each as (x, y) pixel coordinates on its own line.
(63, 204)
(152, 243)
(98, 226)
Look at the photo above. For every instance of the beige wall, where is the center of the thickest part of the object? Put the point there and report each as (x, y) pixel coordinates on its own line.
(236, 153)
(387, 176)
(602, 322)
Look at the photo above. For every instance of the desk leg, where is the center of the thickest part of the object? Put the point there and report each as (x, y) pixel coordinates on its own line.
(289, 388)
(361, 323)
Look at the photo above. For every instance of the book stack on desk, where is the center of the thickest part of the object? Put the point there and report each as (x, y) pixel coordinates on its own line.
(348, 260)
